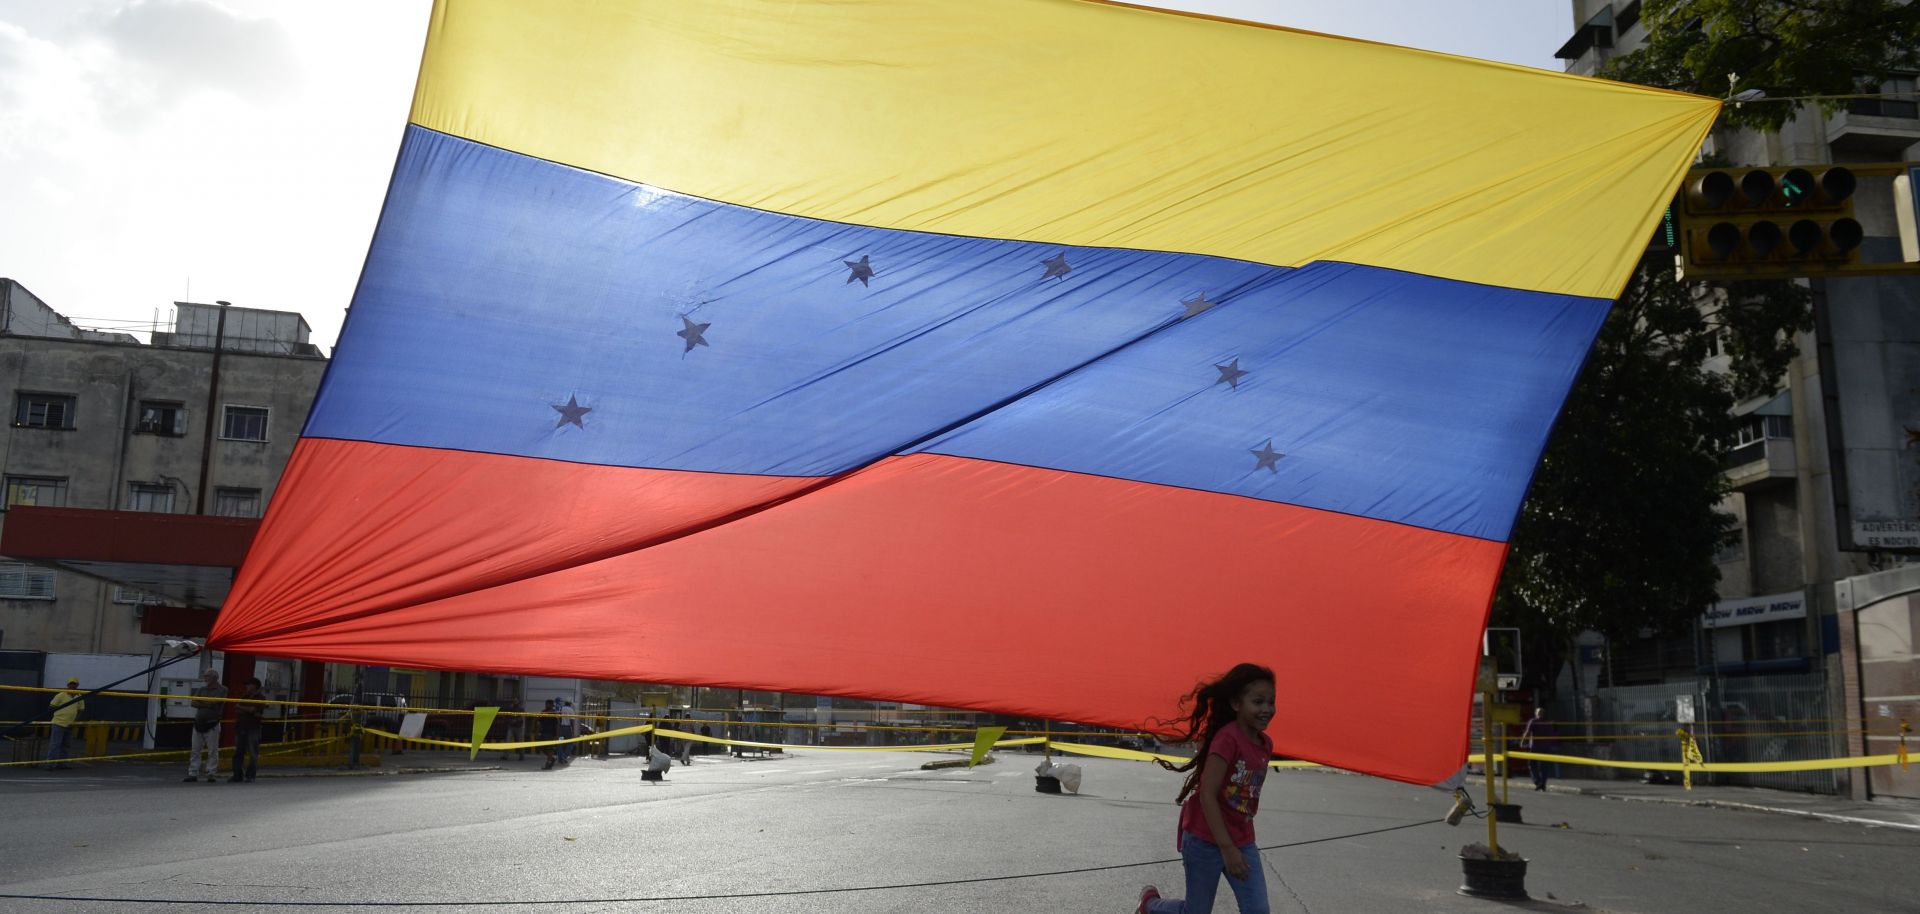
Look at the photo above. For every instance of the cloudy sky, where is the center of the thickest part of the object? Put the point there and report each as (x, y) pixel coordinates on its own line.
(153, 151)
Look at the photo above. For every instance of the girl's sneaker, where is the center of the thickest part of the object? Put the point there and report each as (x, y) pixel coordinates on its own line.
(1148, 895)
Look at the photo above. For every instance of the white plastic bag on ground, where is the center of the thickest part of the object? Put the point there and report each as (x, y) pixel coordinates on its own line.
(1067, 775)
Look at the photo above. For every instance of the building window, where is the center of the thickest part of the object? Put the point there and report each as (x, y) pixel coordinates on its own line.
(158, 417)
(43, 411)
(244, 423)
(1900, 103)
(1758, 428)
(156, 498)
(130, 596)
(1733, 550)
(1597, 33)
(21, 581)
(1784, 639)
(236, 502)
(39, 491)
(1627, 17)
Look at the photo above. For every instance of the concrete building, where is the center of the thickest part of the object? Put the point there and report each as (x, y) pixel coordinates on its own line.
(1826, 463)
(201, 420)
(178, 426)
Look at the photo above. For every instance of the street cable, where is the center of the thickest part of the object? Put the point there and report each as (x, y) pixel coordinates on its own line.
(731, 896)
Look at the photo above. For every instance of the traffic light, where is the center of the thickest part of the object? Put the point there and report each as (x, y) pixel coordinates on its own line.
(1760, 223)
(1666, 236)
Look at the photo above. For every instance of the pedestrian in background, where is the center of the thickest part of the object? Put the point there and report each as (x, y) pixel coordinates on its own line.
(516, 729)
(65, 707)
(1228, 727)
(564, 707)
(246, 733)
(549, 731)
(209, 703)
(1538, 737)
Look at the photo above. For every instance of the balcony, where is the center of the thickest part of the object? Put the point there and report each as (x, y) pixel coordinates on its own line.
(1761, 463)
(1880, 127)
(1866, 134)
(1761, 453)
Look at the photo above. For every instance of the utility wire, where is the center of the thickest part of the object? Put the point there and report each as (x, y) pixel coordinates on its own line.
(842, 890)
(1815, 98)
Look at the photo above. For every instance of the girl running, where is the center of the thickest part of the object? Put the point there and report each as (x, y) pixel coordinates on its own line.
(1222, 792)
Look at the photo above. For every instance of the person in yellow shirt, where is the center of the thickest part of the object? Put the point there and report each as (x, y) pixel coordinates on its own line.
(66, 707)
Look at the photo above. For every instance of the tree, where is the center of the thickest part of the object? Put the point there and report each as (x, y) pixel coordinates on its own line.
(1789, 49)
(1620, 528)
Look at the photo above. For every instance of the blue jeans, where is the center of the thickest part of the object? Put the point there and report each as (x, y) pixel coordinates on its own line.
(1205, 866)
(59, 744)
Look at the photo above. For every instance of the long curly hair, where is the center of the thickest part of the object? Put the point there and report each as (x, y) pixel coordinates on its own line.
(1206, 711)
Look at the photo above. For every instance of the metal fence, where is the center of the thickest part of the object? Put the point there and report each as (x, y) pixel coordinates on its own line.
(1745, 719)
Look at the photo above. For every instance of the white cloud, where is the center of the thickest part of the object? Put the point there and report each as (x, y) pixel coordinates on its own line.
(46, 96)
(51, 193)
(184, 45)
(151, 143)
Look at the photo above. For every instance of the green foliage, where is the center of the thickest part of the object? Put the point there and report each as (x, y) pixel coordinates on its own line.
(1621, 525)
(1788, 48)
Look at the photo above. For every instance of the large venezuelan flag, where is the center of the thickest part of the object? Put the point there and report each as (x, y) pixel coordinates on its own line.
(1038, 356)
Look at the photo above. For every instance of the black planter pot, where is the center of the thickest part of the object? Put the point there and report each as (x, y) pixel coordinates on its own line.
(1507, 813)
(1494, 878)
(1046, 783)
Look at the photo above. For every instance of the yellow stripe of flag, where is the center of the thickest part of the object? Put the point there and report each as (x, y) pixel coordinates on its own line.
(1076, 122)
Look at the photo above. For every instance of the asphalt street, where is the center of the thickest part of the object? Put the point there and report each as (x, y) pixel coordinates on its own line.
(585, 838)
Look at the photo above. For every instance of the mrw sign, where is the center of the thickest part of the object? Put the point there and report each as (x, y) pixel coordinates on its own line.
(1756, 609)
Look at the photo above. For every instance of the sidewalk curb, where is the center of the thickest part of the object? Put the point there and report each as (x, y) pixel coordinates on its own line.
(1719, 804)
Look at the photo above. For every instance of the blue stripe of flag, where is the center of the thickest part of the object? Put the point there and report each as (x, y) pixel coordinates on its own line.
(506, 294)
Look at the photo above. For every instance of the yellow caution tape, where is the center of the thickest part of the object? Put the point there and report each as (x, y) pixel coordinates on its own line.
(279, 749)
(1132, 755)
(332, 708)
(531, 744)
(1819, 764)
(939, 747)
(693, 737)
(1691, 761)
(1689, 757)
(1136, 755)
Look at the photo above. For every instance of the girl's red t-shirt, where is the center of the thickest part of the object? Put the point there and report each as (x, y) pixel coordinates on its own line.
(1239, 793)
